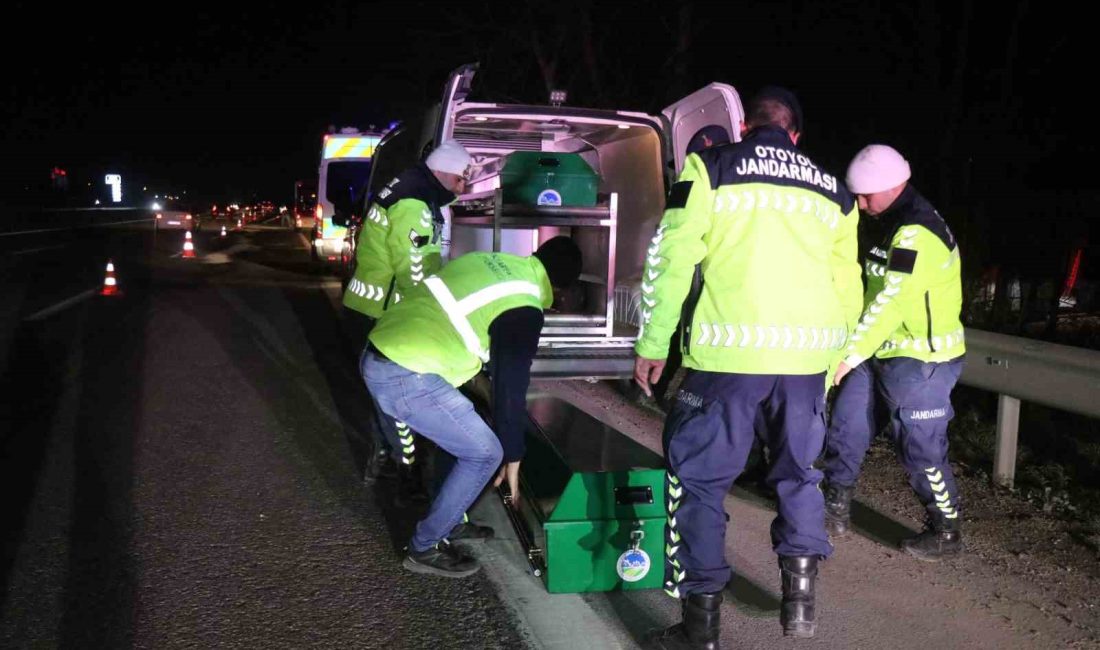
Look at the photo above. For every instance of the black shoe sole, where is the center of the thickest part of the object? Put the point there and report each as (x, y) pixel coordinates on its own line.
(427, 569)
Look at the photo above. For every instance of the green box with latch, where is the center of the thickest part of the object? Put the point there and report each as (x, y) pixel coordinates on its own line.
(548, 179)
(592, 508)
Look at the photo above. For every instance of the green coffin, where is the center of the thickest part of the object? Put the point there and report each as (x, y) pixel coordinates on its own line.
(594, 502)
(549, 179)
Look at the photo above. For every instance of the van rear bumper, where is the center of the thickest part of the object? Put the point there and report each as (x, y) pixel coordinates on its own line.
(583, 362)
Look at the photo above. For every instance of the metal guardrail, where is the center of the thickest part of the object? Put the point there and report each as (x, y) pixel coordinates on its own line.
(28, 221)
(1019, 369)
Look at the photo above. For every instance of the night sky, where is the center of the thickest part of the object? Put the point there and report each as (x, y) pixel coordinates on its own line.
(985, 99)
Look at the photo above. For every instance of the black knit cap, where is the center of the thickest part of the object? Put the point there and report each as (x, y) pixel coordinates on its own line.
(785, 97)
(562, 260)
(716, 134)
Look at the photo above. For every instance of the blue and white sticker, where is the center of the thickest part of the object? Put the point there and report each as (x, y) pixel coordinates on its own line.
(633, 565)
(549, 197)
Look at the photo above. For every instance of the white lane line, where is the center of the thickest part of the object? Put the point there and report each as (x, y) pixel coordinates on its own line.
(305, 242)
(28, 251)
(64, 304)
(96, 225)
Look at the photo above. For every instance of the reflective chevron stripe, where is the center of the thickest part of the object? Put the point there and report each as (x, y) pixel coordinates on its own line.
(730, 201)
(891, 288)
(377, 216)
(939, 492)
(951, 340)
(408, 443)
(368, 291)
(674, 573)
(649, 276)
(771, 336)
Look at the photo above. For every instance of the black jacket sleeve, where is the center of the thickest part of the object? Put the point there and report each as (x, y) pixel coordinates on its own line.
(513, 342)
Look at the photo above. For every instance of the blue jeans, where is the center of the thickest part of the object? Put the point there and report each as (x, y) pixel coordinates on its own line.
(436, 410)
(384, 432)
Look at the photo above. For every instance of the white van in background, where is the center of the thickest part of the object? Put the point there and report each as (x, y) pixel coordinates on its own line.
(341, 186)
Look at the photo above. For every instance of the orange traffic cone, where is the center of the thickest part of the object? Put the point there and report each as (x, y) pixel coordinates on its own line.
(110, 285)
(223, 231)
(188, 247)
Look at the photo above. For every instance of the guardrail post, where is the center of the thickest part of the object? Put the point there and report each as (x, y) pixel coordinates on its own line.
(1008, 428)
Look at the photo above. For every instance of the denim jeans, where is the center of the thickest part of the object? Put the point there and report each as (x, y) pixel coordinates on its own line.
(384, 429)
(436, 410)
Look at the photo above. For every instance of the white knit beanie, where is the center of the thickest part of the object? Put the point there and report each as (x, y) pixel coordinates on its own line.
(450, 157)
(876, 168)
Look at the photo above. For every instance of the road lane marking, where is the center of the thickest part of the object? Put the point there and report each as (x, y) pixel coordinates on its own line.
(64, 304)
(28, 251)
(94, 225)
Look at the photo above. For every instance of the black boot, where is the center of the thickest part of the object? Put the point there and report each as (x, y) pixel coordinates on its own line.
(838, 509)
(700, 629)
(797, 574)
(411, 486)
(941, 538)
(380, 466)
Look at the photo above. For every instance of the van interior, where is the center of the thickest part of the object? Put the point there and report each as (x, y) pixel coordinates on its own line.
(625, 152)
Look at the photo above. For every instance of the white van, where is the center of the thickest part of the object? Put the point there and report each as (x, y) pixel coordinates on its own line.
(635, 157)
(341, 183)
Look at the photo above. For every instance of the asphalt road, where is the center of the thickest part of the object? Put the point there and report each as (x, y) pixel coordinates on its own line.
(180, 468)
